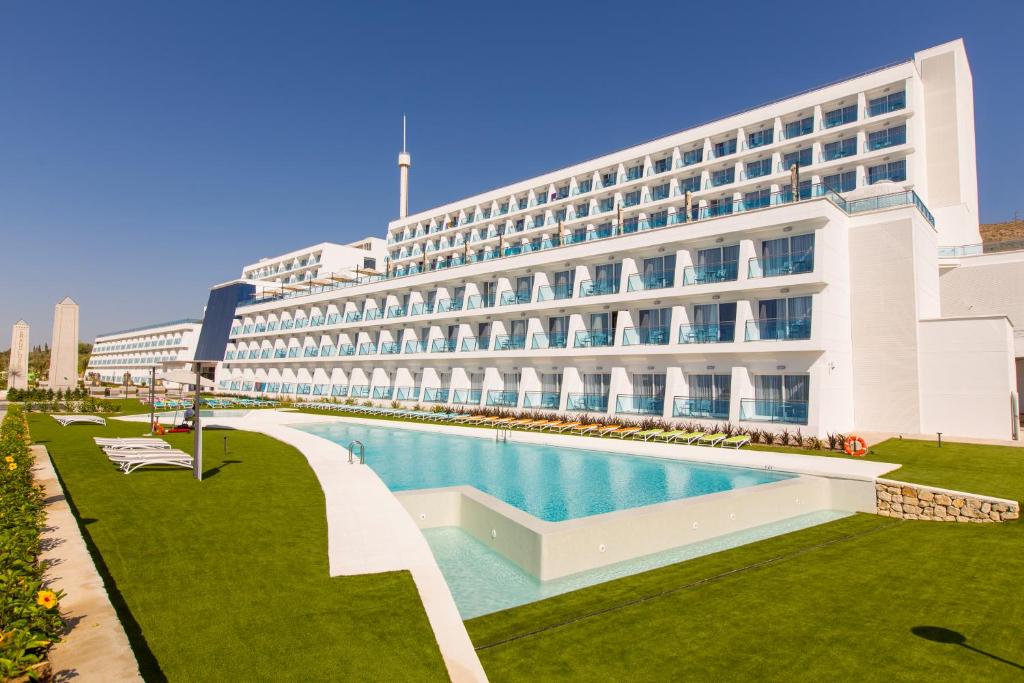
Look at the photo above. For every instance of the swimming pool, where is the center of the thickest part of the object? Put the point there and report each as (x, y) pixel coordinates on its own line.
(551, 483)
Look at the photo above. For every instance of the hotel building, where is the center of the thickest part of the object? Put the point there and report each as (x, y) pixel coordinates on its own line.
(133, 353)
(779, 268)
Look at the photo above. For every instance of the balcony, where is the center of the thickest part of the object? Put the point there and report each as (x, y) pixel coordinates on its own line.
(509, 342)
(784, 412)
(325, 351)
(389, 348)
(339, 390)
(639, 404)
(421, 309)
(503, 399)
(467, 397)
(766, 329)
(588, 339)
(444, 346)
(383, 392)
(658, 280)
(889, 103)
(589, 403)
(359, 391)
(556, 292)
(415, 347)
(549, 341)
(310, 352)
(727, 271)
(786, 264)
(396, 311)
(352, 317)
(407, 393)
(446, 305)
(478, 301)
(373, 314)
(476, 343)
(367, 349)
(715, 333)
(346, 350)
(598, 287)
(633, 336)
(542, 399)
(514, 298)
(435, 395)
(711, 408)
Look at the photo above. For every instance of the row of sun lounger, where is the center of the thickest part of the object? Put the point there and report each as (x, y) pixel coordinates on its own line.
(129, 454)
(560, 426)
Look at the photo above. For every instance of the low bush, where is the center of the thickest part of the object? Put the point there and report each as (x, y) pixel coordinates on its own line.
(29, 619)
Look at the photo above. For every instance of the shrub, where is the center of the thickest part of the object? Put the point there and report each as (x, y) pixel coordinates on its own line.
(29, 619)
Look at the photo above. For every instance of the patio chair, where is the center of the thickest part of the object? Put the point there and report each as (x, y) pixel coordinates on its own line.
(648, 434)
(736, 442)
(670, 435)
(587, 428)
(689, 437)
(623, 432)
(564, 426)
(608, 429)
(712, 439)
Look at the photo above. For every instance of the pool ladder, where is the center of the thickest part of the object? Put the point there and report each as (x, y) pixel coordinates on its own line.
(351, 452)
(501, 435)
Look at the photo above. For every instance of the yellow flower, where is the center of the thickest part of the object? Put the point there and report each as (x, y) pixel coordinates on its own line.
(9, 458)
(46, 599)
(12, 466)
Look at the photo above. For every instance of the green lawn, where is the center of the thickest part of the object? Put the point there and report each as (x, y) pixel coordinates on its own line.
(227, 579)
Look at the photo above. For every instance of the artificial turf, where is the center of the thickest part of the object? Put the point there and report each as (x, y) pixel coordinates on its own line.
(227, 579)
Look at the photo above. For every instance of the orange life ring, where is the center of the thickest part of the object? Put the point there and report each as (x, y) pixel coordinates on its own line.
(855, 446)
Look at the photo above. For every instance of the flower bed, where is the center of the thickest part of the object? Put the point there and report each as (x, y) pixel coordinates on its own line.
(29, 618)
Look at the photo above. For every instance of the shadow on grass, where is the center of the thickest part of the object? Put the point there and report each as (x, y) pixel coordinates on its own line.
(149, 667)
(214, 471)
(938, 634)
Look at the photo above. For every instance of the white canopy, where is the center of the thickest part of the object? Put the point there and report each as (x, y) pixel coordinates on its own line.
(186, 377)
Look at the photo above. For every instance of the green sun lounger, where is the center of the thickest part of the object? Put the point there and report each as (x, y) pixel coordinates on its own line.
(736, 441)
(712, 439)
(648, 434)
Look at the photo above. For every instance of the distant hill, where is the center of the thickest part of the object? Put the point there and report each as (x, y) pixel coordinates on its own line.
(1002, 232)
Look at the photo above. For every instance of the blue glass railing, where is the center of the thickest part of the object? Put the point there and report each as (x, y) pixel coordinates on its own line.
(778, 328)
(503, 399)
(632, 336)
(598, 287)
(476, 343)
(760, 410)
(390, 348)
(367, 349)
(352, 317)
(373, 314)
(435, 395)
(444, 346)
(549, 341)
(685, 406)
(514, 298)
(658, 280)
(407, 393)
(550, 293)
(416, 347)
(542, 399)
(639, 404)
(727, 271)
(327, 350)
(383, 392)
(506, 342)
(787, 264)
(467, 396)
(293, 352)
(421, 309)
(884, 105)
(346, 350)
(310, 352)
(590, 403)
(586, 338)
(716, 333)
(396, 311)
(446, 305)
(339, 390)
(359, 391)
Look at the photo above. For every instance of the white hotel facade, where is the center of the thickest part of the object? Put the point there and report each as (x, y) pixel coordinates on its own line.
(135, 352)
(776, 268)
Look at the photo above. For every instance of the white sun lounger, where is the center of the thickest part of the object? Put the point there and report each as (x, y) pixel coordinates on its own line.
(129, 462)
(66, 420)
(116, 441)
(126, 447)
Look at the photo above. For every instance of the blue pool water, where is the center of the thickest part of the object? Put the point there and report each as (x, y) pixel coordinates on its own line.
(482, 581)
(550, 483)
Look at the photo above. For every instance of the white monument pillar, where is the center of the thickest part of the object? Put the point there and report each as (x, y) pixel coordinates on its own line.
(17, 369)
(64, 350)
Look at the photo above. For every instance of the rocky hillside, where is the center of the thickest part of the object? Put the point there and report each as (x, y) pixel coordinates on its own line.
(1002, 232)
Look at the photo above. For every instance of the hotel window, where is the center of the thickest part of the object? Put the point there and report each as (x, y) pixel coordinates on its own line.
(801, 157)
(691, 184)
(542, 197)
(894, 171)
(609, 179)
(538, 220)
(719, 207)
(551, 383)
(606, 204)
(510, 381)
(370, 263)
(711, 391)
(783, 397)
(660, 192)
(788, 255)
(840, 116)
(694, 156)
(560, 215)
(631, 198)
(887, 103)
(503, 209)
(841, 182)
(760, 138)
(563, 192)
(635, 172)
(663, 165)
(840, 149)
(757, 199)
(725, 148)
(522, 203)
(597, 385)
(756, 169)
(889, 137)
(631, 224)
(649, 384)
(658, 219)
(520, 225)
(585, 186)
(607, 277)
(486, 213)
(723, 176)
(719, 319)
(582, 210)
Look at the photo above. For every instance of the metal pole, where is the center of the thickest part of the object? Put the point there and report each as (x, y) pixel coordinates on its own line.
(197, 426)
(152, 397)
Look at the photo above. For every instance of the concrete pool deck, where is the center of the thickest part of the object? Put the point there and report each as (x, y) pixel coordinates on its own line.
(370, 530)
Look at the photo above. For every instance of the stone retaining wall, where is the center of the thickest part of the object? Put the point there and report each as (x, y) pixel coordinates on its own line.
(913, 501)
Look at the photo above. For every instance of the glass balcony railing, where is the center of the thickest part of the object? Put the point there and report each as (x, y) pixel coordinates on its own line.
(407, 393)
(503, 399)
(889, 103)
(778, 329)
(416, 347)
(632, 336)
(467, 397)
(542, 399)
(346, 350)
(396, 311)
(310, 352)
(598, 287)
(762, 410)
(388, 348)
(514, 298)
(351, 317)
(639, 404)
(446, 305)
(590, 403)
(714, 333)
(727, 271)
(293, 352)
(549, 341)
(638, 282)
(339, 390)
(587, 338)
(367, 349)
(421, 309)
(476, 343)
(359, 391)
(478, 301)
(444, 346)
(373, 314)
(552, 293)
(435, 395)
(715, 408)
(786, 264)
(509, 342)
(383, 392)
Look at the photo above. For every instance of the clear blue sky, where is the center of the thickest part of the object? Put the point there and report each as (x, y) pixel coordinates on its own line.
(150, 149)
